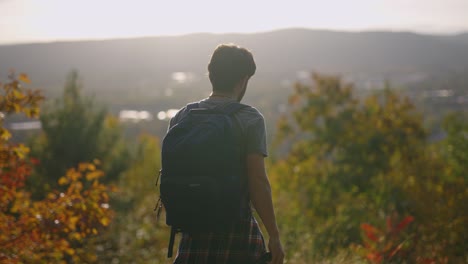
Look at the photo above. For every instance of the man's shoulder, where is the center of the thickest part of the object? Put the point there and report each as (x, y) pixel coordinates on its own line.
(179, 115)
(250, 114)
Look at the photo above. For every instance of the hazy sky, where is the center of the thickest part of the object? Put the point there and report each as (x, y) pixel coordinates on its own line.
(49, 20)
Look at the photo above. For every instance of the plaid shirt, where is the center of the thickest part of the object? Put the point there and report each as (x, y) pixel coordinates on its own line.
(242, 243)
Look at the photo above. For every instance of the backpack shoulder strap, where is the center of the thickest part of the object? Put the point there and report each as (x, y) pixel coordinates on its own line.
(191, 106)
(230, 108)
(170, 248)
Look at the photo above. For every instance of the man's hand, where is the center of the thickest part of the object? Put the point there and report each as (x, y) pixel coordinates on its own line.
(276, 250)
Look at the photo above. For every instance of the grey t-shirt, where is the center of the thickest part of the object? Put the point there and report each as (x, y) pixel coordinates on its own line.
(250, 119)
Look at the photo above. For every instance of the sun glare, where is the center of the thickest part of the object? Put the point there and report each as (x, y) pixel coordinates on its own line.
(67, 19)
(106, 19)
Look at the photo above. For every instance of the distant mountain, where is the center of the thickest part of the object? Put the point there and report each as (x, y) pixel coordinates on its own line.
(461, 38)
(147, 63)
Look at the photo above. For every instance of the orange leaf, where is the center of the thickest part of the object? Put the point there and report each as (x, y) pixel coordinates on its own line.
(406, 221)
(91, 167)
(371, 236)
(82, 166)
(374, 257)
(35, 161)
(370, 231)
(24, 78)
(369, 228)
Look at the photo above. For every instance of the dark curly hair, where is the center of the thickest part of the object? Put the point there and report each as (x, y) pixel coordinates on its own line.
(228, 65)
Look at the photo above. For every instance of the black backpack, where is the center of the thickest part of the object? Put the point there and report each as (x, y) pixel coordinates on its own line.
(203, 170)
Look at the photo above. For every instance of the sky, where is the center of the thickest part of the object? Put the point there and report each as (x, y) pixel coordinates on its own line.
(23, 21)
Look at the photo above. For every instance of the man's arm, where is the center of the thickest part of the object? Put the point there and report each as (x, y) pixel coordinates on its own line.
(260, 195)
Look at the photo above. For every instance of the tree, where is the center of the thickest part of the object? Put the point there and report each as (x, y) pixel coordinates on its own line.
(353, 161)
(136, 235)
(76, 130)
(53, 229)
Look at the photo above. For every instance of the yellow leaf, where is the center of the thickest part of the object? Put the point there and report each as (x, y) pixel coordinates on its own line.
(15, 208)
(93, 175)
(5, 134)
(16, 107)
(27, 112)
(78, 186)
(21, 151)
(105, 221)
(62, 181)
(35, 112)
(70, 251)
(76, 236)
(91, 167)
(18, 94)
(24, 78)
(73, 175)
(72, 222)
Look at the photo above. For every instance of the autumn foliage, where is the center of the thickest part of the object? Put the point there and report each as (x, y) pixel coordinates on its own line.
(54, 229)
(351, 158)
(386, 244)
(355, 178)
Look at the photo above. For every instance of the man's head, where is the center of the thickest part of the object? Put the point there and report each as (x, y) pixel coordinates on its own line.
(230, 66)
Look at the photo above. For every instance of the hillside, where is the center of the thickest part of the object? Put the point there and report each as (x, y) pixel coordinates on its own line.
(148, 62)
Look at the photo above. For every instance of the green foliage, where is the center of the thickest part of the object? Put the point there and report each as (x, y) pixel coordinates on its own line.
(136, 236)
(76, 130)
(456, 143)
(354, 161)
(438, 191)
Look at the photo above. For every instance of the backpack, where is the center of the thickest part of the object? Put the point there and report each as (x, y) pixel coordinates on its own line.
(203, 170)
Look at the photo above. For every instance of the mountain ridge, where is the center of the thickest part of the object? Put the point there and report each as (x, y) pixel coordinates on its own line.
(148, 62)
(453, 35)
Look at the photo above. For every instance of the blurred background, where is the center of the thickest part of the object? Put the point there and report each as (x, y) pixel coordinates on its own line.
(365, 102)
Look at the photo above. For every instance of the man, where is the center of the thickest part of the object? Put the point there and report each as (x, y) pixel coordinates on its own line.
(229, 71)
